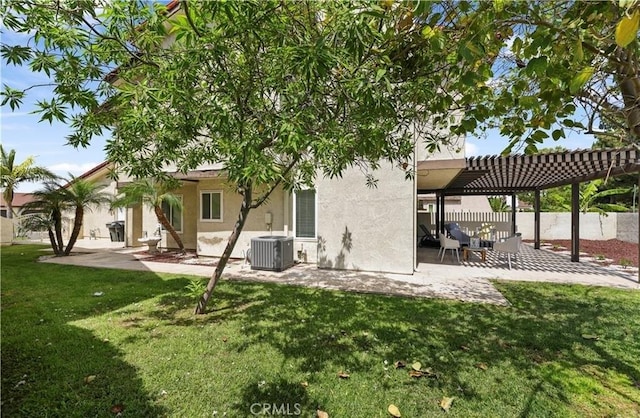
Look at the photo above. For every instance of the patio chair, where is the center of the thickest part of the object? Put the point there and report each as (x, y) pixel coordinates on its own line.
(455, 232)
(427, 240)
(448, 244)
(509, 246)
(465, 240)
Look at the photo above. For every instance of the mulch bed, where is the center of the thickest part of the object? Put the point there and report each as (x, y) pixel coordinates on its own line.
(619, 251)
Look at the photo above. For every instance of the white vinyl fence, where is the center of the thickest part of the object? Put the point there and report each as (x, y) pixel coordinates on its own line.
(553, 225)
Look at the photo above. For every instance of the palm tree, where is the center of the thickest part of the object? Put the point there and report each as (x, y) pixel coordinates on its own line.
(82, 195)
(50, 202)
(498, 204)
(153, 193)
(11, 175)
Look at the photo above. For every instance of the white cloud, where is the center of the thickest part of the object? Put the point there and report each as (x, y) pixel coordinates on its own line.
(470, 149)
(16, 127)
(72, 168)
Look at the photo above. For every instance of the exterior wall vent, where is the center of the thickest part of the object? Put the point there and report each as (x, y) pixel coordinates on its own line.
(274, 253)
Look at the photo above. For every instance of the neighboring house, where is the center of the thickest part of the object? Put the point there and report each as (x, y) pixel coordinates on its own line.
(340, 224)
(19, 201)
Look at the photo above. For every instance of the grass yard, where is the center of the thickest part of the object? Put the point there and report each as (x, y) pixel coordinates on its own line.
(559, 351)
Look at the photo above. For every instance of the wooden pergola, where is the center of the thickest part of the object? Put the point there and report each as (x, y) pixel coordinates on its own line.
(511, 174)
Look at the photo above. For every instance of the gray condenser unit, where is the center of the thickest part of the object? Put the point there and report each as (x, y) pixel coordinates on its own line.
(273, 253)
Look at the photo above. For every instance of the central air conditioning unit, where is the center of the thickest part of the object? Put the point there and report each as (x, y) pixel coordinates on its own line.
(274, 253)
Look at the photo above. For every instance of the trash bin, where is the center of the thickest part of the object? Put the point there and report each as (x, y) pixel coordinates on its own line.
(119, 227)
(116, 231)
(112, 231)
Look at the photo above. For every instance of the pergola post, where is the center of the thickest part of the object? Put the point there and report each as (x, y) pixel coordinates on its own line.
(536, 219)
(575, 222)
(513, 214)
(442, 196)
(437, 214)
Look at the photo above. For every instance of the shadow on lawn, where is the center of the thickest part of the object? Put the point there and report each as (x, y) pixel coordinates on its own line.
(45, 360)
(321, 330)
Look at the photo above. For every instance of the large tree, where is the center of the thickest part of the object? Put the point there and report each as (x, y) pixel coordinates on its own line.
(278, 92)
(12, 174)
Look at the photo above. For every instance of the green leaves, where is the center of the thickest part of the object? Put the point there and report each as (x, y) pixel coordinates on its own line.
(11, 96)
(51, 110)
(16, 54)
(581, 79)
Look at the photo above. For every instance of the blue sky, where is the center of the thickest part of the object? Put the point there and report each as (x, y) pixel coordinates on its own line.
(20, 130)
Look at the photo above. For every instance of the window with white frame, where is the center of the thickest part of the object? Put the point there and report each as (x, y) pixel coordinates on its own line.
(211, 206)
(305, 213)
(173, 214)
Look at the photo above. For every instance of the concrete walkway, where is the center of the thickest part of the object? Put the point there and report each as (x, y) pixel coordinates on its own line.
(468, 281)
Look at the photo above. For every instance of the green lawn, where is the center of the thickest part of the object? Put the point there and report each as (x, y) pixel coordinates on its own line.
(271, 344)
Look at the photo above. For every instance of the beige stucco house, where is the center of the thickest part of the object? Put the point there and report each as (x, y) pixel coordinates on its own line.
(339, 224)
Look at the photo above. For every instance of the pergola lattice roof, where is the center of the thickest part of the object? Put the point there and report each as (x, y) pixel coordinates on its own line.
(518, 173)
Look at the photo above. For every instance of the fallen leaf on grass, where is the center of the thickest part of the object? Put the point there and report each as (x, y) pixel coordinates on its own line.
(590, 337)
(224, 339)
(482, 366)
(445, 403)
(89, 379)
(416, 366)
(343, 375)
(304, 384)
(321, 414)
(399, 364)
(464, 348)
(394, 411)
(420, 373)
(117, 408)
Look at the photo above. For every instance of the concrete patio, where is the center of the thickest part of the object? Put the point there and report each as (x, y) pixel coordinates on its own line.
(467, 281)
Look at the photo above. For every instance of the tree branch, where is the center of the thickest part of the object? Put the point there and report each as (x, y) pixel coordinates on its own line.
(265, 196)
(185, 3)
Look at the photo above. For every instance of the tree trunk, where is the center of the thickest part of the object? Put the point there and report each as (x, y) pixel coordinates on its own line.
(8, 197)
(52, 239)
(629, 83)
(77, 225)
(231, 243)
(162, 218)
(57, 220)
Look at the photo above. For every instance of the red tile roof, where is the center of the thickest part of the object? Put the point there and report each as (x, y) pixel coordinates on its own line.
(19, 199)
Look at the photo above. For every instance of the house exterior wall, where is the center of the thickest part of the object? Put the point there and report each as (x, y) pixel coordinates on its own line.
(362, 228)
(212, 236)
(190, 216)
(96, 218)
(6, 231)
